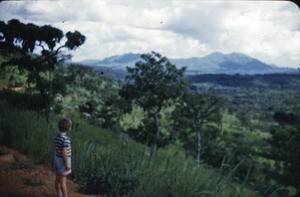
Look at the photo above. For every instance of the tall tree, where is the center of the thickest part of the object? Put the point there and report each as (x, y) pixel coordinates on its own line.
(152, 84)
(38, 50)
(192, 113)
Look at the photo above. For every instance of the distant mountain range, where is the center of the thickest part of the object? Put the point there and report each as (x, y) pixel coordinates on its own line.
(214, 63)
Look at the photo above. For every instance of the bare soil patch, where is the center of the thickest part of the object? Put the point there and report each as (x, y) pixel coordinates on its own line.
(20, 177)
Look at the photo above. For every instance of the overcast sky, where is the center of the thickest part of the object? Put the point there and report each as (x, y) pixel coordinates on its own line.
(266, 30)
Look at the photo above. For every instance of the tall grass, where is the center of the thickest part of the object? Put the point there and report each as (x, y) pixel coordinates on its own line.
(103, 163)
(25, 131)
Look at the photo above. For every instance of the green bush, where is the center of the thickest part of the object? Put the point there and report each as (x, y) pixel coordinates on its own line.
(22, 100)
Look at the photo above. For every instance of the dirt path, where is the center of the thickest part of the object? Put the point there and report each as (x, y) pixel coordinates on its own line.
(19, 177)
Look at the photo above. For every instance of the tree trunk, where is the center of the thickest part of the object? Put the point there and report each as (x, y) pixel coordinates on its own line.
(156, 124)
(198, 127)
(47, 106)
(48, 115)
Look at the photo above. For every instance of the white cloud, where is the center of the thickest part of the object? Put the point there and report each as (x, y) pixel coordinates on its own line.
(268, 30)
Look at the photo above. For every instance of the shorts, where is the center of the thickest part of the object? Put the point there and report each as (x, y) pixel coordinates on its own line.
(60, 165)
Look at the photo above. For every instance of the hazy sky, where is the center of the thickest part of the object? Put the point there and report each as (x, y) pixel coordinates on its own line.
(267, 30)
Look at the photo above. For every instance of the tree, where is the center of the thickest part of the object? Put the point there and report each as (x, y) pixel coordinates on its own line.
(285, 149)
(152, 84)
(112, 109)
(94, 94)
(38, 51)
(192, 113)
(76, 73)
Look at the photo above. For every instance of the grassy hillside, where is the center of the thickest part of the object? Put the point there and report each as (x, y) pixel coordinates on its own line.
(105, 163)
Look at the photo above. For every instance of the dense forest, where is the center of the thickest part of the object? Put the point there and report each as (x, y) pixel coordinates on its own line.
(156, 133)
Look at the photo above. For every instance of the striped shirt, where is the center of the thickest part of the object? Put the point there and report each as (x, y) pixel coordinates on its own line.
(62, 141)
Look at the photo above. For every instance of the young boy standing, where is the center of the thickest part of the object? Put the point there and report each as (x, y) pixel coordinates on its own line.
(62, 160)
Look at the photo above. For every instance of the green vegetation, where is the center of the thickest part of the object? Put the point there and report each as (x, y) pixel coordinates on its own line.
(153, 84)
(36, 52)
(261, 112)
(105, 163)
(245, 128)
(191, 115)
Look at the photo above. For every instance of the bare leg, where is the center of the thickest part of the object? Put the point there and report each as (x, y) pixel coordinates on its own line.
(58, 185)
(63, 182)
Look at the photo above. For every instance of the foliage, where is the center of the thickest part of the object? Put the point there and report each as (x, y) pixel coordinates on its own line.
(21, 100)
(254, 105)
(94, 94)
(191, 114)
(285, 149)
(106, 164)
(243, 146)
(37, 50)
(153, 83)
(286, 118)
(279, 80)
(145, 133)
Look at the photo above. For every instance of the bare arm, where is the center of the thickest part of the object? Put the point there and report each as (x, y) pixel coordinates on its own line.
(65, 156)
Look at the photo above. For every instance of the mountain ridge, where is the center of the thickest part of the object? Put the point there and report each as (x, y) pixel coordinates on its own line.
(214, 63)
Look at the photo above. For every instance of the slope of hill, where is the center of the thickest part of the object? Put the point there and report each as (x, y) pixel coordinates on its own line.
(214, 63)
(21, 177)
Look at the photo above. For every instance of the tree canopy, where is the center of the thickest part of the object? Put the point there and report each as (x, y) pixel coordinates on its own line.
(152, 84)
(191, 114)
(37, 50)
